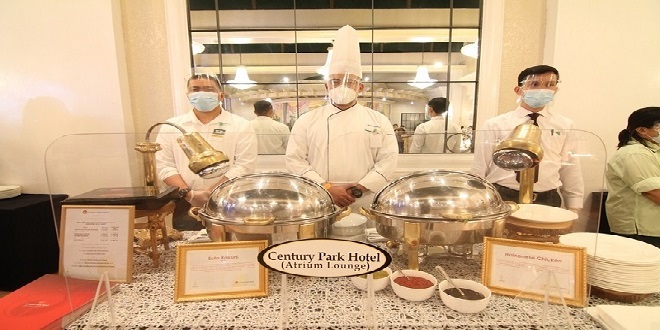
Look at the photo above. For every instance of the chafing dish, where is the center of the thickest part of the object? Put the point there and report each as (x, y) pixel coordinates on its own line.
(438, 208)
(274, 206)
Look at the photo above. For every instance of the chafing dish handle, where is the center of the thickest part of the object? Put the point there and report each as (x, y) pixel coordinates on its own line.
(194, 212)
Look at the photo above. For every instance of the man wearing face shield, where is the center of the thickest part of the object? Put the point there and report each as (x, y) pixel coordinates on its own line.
(226, 132)
(559, 174)
(348, 148)
(430, 137)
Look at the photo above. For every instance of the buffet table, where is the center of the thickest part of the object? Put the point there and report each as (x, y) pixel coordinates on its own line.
(320, 303)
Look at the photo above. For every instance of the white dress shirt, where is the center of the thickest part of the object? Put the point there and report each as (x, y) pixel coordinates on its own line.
(229, 133)
(357, 145)
(272, 136)
(429, 137)
(558, 168)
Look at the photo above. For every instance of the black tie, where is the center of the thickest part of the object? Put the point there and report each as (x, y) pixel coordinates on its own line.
(534, 116)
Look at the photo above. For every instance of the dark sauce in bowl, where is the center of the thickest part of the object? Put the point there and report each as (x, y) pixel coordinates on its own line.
(469, 294)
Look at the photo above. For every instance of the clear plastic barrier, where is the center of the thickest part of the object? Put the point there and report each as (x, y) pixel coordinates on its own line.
(77, 164)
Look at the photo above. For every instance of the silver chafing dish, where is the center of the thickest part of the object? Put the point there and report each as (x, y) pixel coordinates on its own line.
(274, 206)
(438, 208)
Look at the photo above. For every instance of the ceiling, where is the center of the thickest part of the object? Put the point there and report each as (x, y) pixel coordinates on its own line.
(280, 40)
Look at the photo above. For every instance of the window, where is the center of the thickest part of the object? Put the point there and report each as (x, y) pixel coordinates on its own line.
(283, 44)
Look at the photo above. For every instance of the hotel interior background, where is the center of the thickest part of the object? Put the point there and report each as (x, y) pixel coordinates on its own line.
(115, 66)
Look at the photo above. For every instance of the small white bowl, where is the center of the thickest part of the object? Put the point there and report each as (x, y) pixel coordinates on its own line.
(379, 284)
(413, 294)
(464, 305)
(350, 225)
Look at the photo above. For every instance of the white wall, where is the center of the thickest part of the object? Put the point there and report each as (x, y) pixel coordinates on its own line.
(61, 72)
(608, 55)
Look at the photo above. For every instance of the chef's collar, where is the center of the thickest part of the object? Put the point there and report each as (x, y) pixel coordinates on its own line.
(349, 108)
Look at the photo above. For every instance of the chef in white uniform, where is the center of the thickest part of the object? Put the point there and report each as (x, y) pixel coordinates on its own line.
(348, 148)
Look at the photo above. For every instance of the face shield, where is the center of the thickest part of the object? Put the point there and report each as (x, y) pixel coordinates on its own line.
(540, 81)
(539, 89)
(343, 89)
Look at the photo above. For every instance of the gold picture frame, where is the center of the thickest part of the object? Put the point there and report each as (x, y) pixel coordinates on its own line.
(95, 239)
(512, 268)
(219, 270)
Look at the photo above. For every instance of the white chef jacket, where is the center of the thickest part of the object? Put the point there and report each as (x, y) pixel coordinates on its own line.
(354, 145)
(229, 133)
(558, 168)
(272, 136)
(429, 137)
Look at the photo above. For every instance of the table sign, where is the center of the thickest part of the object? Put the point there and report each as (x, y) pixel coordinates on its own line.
(95, 239)
(323, 257)
(219, 270)
(518, 268)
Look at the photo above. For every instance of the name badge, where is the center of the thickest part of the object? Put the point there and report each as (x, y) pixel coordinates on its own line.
(218, 133)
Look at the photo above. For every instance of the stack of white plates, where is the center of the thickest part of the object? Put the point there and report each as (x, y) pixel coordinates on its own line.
(543, 213)
(9, 191)
(618, 263)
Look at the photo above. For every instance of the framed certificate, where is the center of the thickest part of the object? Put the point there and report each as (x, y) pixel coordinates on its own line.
(531, 269)
(220, 271)
(95, 239)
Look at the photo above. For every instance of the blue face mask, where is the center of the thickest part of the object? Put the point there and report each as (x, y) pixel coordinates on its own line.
(537, 98)
(427, 115)
(204, 101)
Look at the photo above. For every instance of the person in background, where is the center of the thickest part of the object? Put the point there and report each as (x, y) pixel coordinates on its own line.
(399, 131)
(272, 136)
(226, 132)
(348, 148)
(633, 179)
(559, 173)
(430, 137)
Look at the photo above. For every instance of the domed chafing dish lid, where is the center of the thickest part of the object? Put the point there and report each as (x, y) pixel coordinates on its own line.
(440, 195)
(265, 198)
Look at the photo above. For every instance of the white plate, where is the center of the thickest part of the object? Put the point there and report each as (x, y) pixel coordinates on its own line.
(543, 213)
(620, 249)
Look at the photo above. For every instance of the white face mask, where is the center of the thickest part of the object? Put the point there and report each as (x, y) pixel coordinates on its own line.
(342, 95)
(204, 101)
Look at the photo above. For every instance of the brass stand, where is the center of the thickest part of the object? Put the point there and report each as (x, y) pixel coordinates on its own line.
(411, 238)
(522, 230)
(526, 192)
(155, 225)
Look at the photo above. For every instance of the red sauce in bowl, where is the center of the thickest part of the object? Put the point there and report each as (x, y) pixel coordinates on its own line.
(413, 282)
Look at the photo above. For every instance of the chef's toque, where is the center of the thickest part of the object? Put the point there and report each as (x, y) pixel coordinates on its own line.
(346, 53)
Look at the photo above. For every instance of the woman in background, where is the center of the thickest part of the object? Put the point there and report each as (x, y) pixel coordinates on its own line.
(633, 179)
